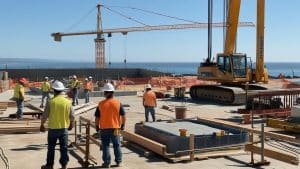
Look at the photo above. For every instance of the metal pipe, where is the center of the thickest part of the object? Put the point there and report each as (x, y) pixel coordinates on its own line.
(262, 142)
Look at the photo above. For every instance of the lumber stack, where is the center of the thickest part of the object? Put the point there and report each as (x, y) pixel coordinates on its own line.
(8, 126)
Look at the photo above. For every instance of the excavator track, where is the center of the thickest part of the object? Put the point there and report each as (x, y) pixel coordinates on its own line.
(218, 93)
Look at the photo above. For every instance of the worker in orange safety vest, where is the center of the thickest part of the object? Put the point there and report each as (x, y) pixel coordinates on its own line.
(110, 117)
(149, 102)
(88, 87)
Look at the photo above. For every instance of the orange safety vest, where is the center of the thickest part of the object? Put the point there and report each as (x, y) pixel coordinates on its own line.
(88, 85)
(109, 114)
(149, 99)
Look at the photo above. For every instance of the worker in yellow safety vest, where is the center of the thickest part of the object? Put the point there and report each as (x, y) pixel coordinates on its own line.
(110, 119)
(60, 113)
(19, 96)
(45, 88)
(149, 102)
(74, 89)
(88, 87)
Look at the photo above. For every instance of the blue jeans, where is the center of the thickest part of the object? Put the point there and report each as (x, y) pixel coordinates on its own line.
(45, 95)
(87, 95)
(148, 110)
(20, 106)
(53, 136)
(108, 136)
(75, 96)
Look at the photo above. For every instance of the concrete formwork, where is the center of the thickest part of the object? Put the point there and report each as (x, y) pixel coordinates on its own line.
(205, 135)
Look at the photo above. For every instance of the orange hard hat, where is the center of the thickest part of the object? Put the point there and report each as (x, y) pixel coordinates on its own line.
(23, 80)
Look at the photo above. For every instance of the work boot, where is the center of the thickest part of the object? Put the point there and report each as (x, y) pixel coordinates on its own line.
(64, 167)
(46, 167)
(105, 165)
(120, 164)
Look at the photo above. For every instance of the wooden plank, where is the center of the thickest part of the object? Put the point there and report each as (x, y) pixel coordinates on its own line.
(249, 129)
(85, 109)
(151, 145)
(206, 155)
(273, 154)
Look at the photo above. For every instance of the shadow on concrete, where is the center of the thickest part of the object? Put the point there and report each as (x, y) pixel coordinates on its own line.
(34, 147)
(240, 164)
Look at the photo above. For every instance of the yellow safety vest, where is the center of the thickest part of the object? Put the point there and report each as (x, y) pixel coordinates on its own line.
(45, 87)
(19, 91)
(59, 114)
(74, 84)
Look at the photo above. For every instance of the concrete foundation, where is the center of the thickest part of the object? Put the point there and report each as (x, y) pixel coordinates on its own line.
(205, 135)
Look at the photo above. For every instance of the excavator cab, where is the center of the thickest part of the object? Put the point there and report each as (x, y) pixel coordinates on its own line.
(227, 69)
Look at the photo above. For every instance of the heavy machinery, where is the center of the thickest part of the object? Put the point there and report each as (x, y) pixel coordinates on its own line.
(231, 70)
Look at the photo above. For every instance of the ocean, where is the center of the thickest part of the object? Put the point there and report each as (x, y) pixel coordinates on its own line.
(288, 69)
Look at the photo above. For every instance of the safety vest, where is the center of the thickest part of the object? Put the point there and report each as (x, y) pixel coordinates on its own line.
(109, 114)
(149, 98)
(88, 85)
(19, 91)
(45, 87)
(59, 115)
(74, 84)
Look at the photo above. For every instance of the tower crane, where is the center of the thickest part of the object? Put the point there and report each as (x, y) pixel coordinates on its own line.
(100, 41)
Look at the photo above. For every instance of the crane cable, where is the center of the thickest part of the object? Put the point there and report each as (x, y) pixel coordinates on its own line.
(157, 13)
(80, 20)
(109, 49)
(125, 16)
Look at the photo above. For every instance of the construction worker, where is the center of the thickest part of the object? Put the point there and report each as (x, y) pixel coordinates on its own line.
(45, 91)
(149, 102)
(61, 117)
(74, 88)
(19, 96)
(110, 117)
(88, 87)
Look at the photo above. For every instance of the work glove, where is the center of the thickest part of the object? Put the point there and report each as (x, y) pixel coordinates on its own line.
(42, 128)
(122, 126)
(70, 126)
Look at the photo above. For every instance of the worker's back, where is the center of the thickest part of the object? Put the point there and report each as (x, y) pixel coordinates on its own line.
(110, 113)
(19, 91)
(59, 112)
(149, 98)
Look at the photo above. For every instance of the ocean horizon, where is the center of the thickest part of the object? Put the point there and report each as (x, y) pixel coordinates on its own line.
(274, 68)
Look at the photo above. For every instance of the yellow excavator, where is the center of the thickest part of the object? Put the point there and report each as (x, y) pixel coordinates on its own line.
(231, 70)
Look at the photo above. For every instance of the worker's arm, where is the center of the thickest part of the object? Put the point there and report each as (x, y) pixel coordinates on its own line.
(22, 93)
(72, 118)
(144, 99)
(123, 117)
(45, 116)
(97, 118)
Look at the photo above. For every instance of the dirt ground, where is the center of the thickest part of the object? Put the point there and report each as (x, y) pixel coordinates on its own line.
(28, 151)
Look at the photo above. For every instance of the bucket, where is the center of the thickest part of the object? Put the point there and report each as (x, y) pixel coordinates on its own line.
(180, 112)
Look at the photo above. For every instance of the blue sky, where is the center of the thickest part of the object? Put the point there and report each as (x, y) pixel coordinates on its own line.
(26, 26)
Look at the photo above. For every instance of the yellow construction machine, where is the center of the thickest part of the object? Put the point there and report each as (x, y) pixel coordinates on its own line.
(231, 70)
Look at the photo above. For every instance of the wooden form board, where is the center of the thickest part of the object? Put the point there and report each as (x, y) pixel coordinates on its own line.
(249, 129)
(85, 109)
(273, 154)
(156, 147)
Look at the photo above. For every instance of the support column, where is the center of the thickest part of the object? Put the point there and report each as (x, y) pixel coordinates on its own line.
(100, 52)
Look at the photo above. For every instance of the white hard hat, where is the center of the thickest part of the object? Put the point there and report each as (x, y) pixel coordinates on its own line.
(108, 87)
(74, 77)
(86, 79)
(148, 86)
(90, 77)
(46, 78)
(59, 86)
